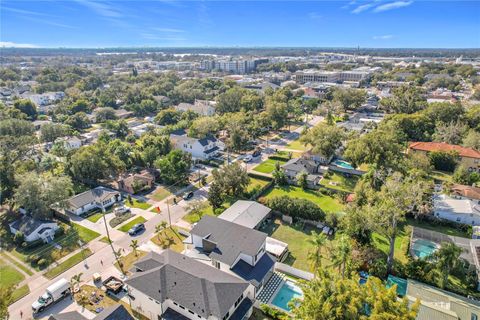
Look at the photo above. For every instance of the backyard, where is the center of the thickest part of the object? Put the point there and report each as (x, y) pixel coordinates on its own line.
(327, 203)
(338, 181)
(296, 145)
(268, 166)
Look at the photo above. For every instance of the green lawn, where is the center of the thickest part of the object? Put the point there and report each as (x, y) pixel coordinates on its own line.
(139, 204)
(9, 276)
(67, 264)
(169, 238)
(95, 217)
(130, 224)
(442, 175)
(401, 244)
(267, 166)
(255, 185)
(19, 265)
(296, 145)
(85, 234)
(327, 203)
(20, 292)
(159, 194)
(192, 218)
(338, 181)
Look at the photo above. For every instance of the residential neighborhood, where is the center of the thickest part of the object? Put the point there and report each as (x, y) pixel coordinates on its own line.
(172, 177)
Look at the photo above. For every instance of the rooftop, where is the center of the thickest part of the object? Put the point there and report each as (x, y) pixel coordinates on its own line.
(246, 213)
(445, 147)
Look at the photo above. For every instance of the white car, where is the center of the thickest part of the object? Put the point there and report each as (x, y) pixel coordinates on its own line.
(121, 210)
(247, 158)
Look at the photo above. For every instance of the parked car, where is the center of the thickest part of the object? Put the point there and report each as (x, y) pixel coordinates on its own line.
(121, 210)
(256, 153)
(199, 166)
(247, 158)
(187, 195)
(136, 229)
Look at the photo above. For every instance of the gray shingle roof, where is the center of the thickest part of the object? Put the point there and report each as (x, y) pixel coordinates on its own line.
(192, 284)
(246, 213)
(299, 164)
(27, 224)
(73, 315)
(98, 194)
(116, 312)
(230, 238)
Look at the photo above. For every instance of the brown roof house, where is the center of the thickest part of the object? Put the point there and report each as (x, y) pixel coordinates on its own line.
(134, 183)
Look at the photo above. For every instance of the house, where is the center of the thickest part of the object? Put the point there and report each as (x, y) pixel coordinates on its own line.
(204, 149)
(465, 192)
(136, 182)
(468, 157)
(232, 248)
(70, 143)
(97, 198)
(249, 214)
(173, 286)
(456, 210)
(295, 166)
(116, 312)
(34, 229)
(439, 304)
(202, 107)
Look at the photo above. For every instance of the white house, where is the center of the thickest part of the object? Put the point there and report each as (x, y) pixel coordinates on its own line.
(98, 198)
(232, 248)
(34, 229)
(70, 143)
(203, 149)
(173, 286)
(459, 210)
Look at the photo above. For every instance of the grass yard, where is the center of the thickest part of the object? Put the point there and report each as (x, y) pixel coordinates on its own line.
(67, 264)
(104, 240)
(256, 184)
(338, 181)
(95, 217)
(169, 238)
(85, 234)
(401, 244)
(19, 265)
(128, 260)
(327, 203)
(9, 276)
(104, 301)
(442, 175)
(20, 292)
(159, 194)
(130, 224)
(448, 230)
(296, 145)
(139, 204)
(267, 166)
(192, 218)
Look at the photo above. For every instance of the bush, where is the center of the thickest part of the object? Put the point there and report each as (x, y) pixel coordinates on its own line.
(42, 263)
(19, 238)
(274, 313)
(33, 259)
(258, 176)
(60, 231)
(34, 244)
(445, 161)
(297, 208)
(279, 158)
(218, 211)
(118, 220)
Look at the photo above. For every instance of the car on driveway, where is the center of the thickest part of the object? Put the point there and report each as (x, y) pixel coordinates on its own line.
(121, 210)
(136, 229)
(187, 195)
(247, 158)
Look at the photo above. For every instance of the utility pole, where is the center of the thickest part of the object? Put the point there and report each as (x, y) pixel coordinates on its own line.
(111, 243)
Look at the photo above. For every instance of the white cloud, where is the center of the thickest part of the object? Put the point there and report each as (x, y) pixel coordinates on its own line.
(315, 16)
(102, 8)
(392, 5)
(168, 30)
(8, 44)
(384, 37)
(362, 8)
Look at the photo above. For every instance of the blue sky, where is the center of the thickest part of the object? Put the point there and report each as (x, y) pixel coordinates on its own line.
(121, 23)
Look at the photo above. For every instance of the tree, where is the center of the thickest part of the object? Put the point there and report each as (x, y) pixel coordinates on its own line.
(37, 193)
(302, 179)
(197, 207)
(317, 240)
(174, 167)
(134, 245)
(341, 253)
(203, 126)
(49, 132)
(167, 117)
(230, 100)
(92, 163)
(160, 227)
(277, 112)
(472, 140)
(104, 114)
(405, 99)
(215, 195)
(324, 139)
(349, 98)
(78, 121)
(279, 175)
(6, 298)
(27, 107)
(451, 133)
(445, 161)
(446, 259)
(297, 208)
(463, 176)
(75, 280)
(232, 178)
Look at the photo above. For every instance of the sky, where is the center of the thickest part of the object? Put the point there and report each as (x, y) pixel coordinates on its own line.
(175, 23)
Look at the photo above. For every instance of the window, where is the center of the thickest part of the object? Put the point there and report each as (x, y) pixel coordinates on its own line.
(226, 316)
(216, 264)
(191, 311)
(474, 317)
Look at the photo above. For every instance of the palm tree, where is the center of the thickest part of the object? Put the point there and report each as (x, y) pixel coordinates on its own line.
(160, 227)
(447, 258)
(134, 246)
(341, 253)
(318, 240)
(75, 280)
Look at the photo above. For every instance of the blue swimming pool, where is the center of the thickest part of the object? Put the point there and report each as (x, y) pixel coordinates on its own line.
(342, 164)
(423, 248)
(287, 292)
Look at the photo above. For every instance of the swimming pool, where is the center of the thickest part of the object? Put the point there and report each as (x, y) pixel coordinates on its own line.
(287, 292)
(343, 164)
(423, 248)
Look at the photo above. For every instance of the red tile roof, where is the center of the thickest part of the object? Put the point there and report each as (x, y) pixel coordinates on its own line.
(466, 191)
(445, 147)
